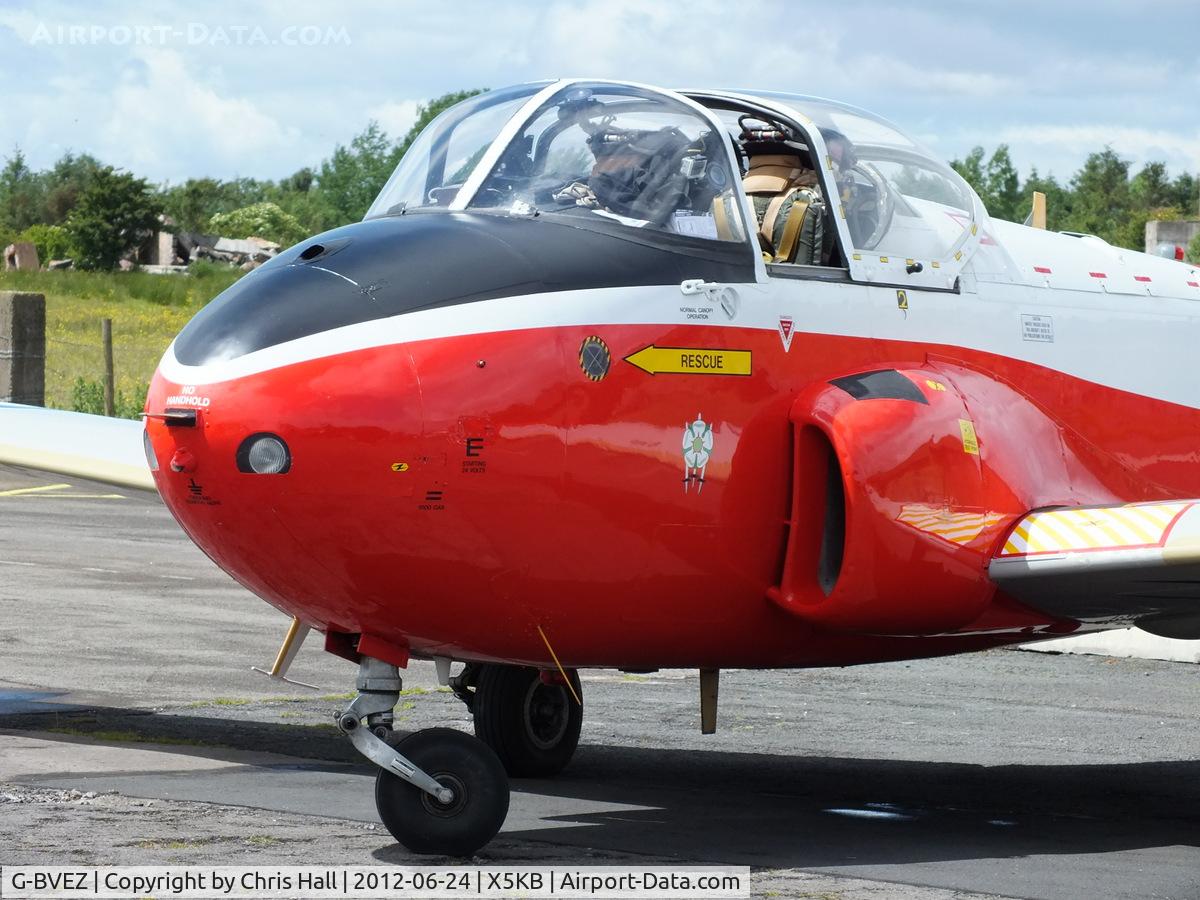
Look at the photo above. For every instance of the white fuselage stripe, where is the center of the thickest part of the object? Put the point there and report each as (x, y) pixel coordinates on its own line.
(1109, 340)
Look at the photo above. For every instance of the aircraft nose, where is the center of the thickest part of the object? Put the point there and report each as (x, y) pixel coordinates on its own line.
(261, 459)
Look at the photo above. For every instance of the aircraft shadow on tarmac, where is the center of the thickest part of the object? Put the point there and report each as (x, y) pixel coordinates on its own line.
(764, 809)
(809, 812)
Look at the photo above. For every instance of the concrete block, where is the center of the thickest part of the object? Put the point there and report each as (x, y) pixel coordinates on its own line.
(22, 256)
(23, 348)
(1177, 233)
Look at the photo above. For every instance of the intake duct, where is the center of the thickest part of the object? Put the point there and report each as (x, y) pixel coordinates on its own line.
(890, 529)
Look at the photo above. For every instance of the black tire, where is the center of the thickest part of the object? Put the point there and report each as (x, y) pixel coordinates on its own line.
(462, 763)
(533, 727)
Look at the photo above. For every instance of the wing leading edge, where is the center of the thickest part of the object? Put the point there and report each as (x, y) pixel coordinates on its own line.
(70, 443)
(1109, 566)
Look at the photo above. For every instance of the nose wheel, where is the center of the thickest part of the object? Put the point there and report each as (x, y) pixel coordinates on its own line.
(438, 791)
(472, 813)
(532, 726)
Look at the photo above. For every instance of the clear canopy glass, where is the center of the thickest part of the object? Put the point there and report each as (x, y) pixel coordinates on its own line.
(622, 153)
(643, 159)
(899, 197)
(438, 162)
(601, 151)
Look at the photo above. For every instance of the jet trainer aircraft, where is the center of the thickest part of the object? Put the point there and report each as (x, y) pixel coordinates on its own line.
(615, 376)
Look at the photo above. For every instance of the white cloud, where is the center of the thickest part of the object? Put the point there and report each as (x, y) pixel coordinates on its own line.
(161, 110)
(1179, 149)
(958, 74)
(395, 117)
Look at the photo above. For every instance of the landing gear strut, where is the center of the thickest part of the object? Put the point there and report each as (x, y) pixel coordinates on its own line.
(530, 722)
(439, 790)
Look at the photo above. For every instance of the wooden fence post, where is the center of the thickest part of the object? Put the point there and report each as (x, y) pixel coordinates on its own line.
(106, 337)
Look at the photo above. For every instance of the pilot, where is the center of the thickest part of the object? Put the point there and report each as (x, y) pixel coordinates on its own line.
(841, 151)
(842, 156)
(859, 203)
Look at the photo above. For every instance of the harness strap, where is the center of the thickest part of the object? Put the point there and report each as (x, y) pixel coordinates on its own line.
(791, 230)
(772, 213)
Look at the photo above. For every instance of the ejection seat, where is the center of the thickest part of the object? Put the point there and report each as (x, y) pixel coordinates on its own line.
(782, 184)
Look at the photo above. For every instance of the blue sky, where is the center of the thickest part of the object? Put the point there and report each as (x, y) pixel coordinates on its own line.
(222, 88)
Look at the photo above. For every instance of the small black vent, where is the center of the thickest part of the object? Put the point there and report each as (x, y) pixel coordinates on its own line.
(886, 384)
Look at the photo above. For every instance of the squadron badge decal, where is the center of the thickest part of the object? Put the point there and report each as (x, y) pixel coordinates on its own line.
(697, 448)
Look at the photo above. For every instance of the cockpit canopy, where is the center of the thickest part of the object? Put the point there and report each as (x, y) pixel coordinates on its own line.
(629, 155)
(672, 164)
(898, 196)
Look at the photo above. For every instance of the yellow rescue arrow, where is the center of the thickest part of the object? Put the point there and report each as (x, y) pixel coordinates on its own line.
(691, 361)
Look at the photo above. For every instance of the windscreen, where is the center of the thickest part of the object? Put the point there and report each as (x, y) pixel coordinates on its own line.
(437, 163)
(622, 154)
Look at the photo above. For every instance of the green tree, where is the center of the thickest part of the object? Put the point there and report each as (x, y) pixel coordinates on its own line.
(354, 174)
(1151, 188)
(261, 220)
(430, 111)
(63, 184)
(299, 182)
(350, 179)
(1102, 201)
(21, 194)
(1193, 253)
(995, 181)
(298, 196)
(192, 205)
(114, 213)
(1004, 199)
(1185, 191)
(51, 241)
(971, 169)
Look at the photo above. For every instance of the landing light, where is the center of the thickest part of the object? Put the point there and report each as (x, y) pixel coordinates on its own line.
(264, 454)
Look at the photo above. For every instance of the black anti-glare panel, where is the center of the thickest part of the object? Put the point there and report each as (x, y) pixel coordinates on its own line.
(384, 267)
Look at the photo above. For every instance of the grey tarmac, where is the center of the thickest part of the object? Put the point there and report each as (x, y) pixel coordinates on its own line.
(132, 731)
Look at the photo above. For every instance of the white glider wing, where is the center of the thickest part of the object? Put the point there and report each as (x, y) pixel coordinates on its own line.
(71, 443)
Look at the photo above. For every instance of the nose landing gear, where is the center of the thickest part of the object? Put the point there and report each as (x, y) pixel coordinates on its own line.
(438, 790)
